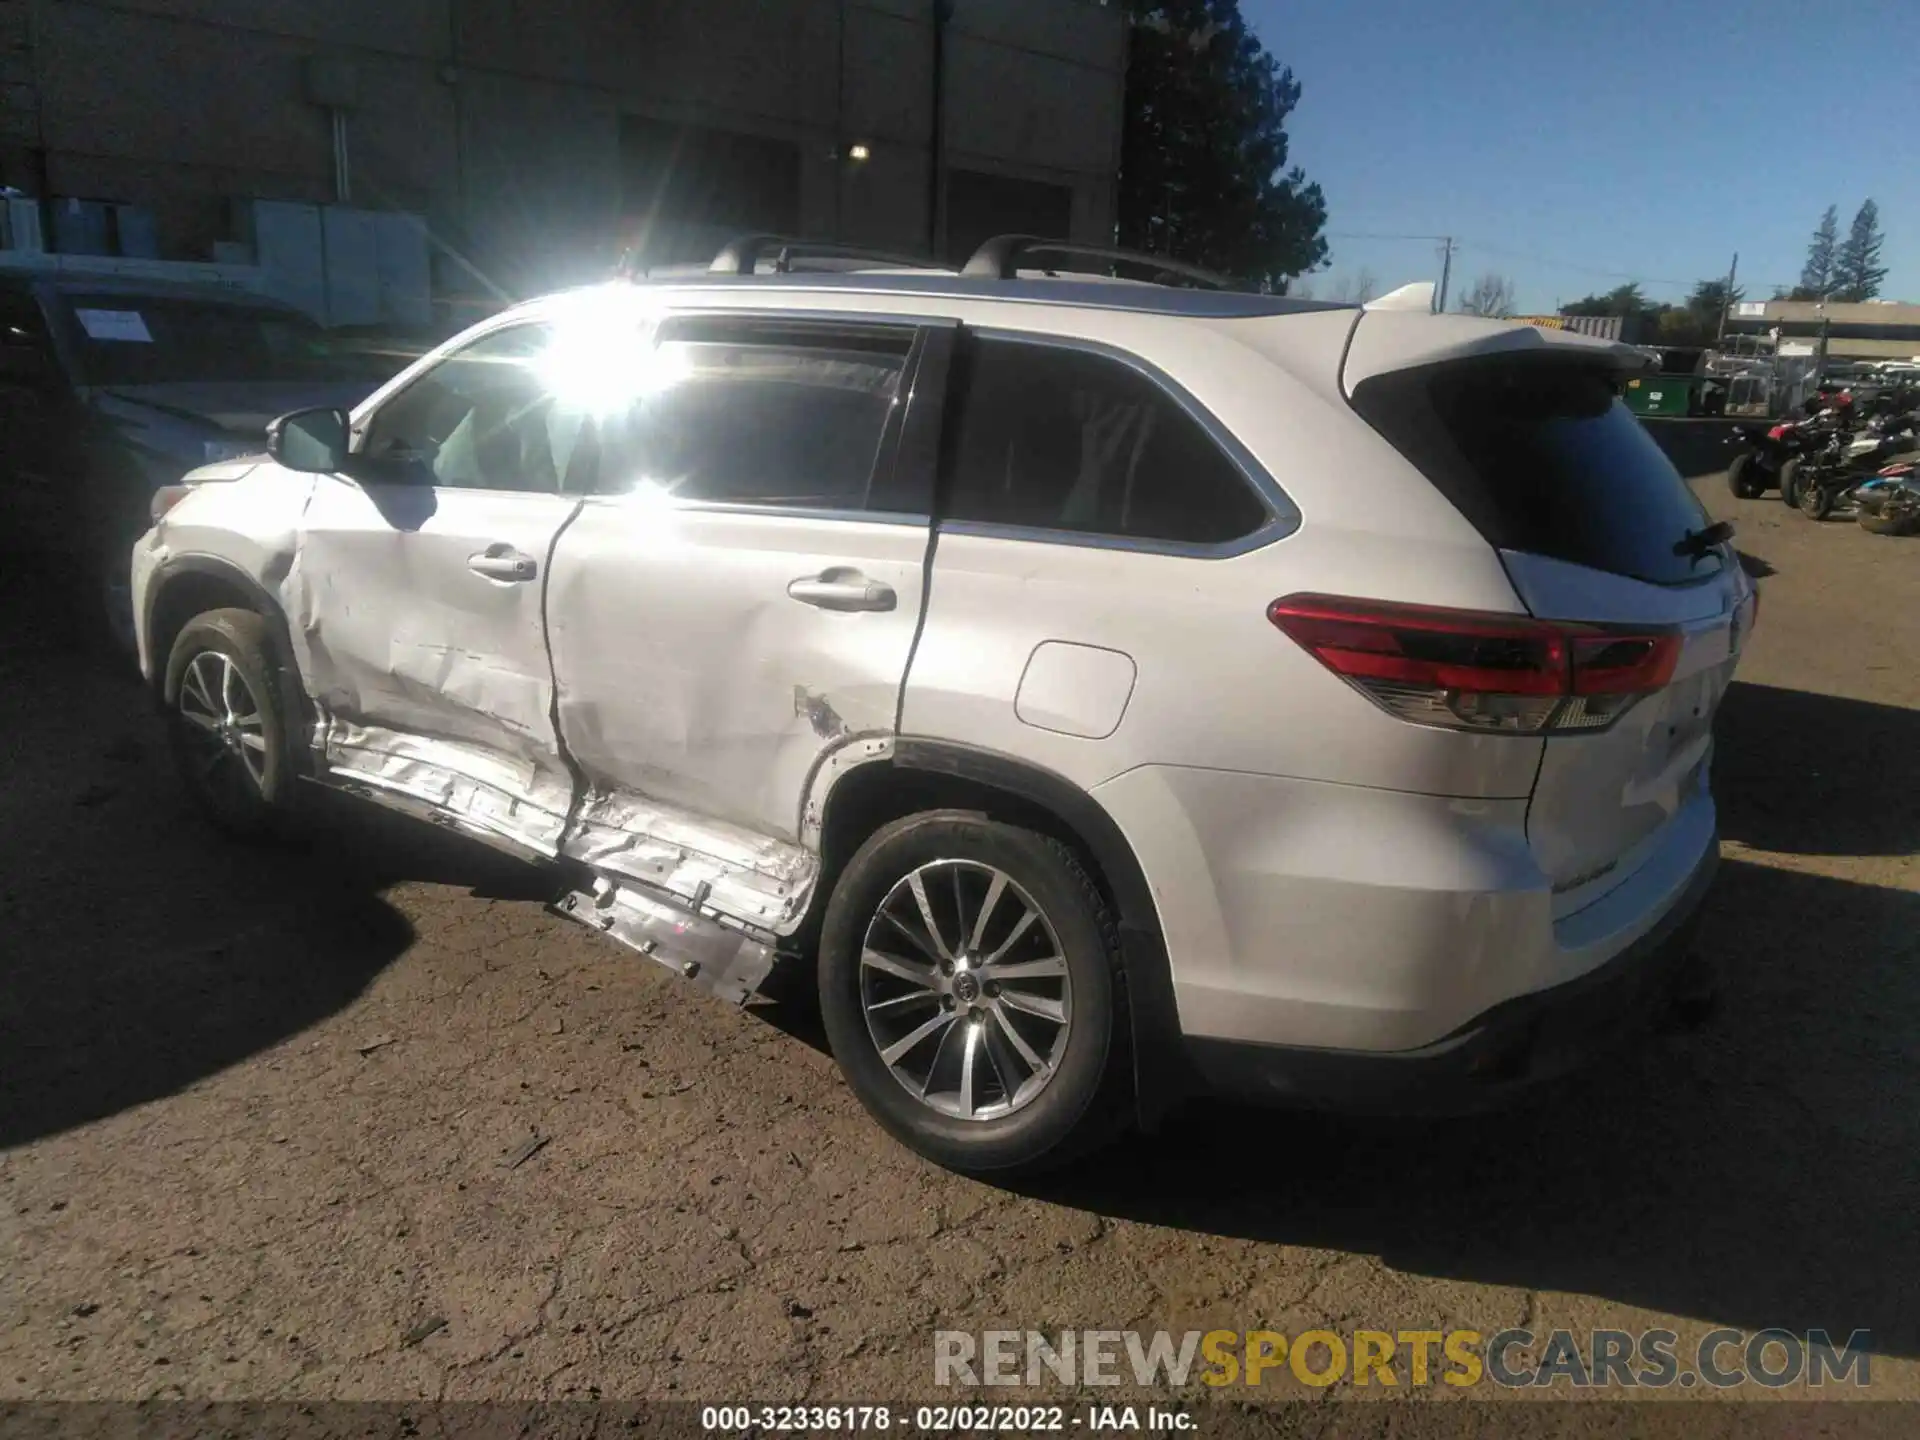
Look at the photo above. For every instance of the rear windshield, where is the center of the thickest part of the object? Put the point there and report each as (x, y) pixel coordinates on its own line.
(1542, 457)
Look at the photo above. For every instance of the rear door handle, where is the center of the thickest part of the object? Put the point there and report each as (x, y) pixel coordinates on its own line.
(843, 590)
(503, 562)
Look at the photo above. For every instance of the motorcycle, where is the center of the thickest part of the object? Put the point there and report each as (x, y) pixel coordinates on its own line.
(1771, 450)
(1824, 481)
(1889, 504)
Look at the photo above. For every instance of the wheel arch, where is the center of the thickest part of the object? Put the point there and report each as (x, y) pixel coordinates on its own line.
(934, 774)
(188, 585)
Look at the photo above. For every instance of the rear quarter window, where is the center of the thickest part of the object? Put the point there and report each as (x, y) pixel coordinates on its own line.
(1054, 438)
(1541, 456)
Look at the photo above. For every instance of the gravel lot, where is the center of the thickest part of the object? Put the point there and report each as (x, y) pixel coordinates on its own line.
(267, 1117)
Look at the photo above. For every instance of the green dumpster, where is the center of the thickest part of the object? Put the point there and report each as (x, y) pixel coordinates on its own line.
(1675, 395)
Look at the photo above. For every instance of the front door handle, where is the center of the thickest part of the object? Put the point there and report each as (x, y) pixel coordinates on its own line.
(503, 562)
(843, 590)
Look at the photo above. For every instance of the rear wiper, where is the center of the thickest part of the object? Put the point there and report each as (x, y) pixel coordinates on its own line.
(1696, 543)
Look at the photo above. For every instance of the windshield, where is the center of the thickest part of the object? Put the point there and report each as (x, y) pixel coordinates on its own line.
(139, 340)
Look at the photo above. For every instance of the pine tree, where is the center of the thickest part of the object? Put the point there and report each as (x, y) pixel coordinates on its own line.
(1816, 278)
(1857, 271)
(1204, 174)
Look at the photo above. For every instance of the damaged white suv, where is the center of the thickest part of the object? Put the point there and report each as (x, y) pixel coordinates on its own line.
(1121, 689)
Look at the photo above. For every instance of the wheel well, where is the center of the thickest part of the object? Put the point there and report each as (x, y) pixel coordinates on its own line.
(937, 777)
(181, 597)
(870, 796)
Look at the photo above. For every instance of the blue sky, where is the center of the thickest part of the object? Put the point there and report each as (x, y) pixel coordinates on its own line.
(1558, 139)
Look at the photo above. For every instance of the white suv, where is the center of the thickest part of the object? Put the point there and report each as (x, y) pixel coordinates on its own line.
(1122, 690)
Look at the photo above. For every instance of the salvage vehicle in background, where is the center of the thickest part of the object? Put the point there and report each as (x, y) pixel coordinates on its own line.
(112, 387)
(1114, 690)
(1764, 453)
(1889, 504)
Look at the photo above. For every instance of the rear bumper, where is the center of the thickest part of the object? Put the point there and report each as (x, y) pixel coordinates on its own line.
(1507, 1049)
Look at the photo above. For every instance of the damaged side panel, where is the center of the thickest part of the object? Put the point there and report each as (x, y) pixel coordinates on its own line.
(430, 679)
(709, 662)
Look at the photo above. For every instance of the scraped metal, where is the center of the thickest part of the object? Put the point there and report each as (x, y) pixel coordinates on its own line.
(447, 783)
(723, 961)
(757, 879)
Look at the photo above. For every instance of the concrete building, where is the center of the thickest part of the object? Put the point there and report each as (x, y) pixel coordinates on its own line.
(1876, 330)
(539, 137)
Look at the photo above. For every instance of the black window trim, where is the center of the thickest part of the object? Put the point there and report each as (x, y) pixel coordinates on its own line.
(925, 335)
(1283, 515)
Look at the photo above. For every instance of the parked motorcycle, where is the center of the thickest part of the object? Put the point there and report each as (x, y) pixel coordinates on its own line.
(1889, 504)
(1770, 450)
(1827, 479)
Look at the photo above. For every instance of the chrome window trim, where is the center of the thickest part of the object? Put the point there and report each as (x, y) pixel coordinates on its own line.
(767, 512)
(1283, 515)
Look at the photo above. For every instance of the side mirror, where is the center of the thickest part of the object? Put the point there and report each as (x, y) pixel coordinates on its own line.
(311, 441)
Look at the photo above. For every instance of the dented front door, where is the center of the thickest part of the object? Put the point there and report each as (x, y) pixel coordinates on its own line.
(738, 602)
(415, 596)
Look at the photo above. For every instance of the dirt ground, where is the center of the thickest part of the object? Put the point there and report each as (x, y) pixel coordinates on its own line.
(268, 1117)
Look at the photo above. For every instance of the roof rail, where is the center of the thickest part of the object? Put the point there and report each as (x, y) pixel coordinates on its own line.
(742, 255)
(999, 259)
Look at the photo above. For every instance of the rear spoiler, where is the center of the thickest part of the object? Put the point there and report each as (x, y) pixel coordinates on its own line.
(1417, 296)
(1386, 340)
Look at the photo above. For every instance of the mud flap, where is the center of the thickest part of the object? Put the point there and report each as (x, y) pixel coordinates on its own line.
(720, 960)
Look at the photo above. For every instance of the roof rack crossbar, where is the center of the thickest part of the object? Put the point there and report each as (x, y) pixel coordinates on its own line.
(743, 254)
(999, 259)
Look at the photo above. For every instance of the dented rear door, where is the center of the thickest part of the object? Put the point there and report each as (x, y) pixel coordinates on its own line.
(739, 598)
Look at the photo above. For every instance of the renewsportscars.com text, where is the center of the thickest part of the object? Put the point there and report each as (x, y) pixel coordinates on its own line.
(1649, 1359)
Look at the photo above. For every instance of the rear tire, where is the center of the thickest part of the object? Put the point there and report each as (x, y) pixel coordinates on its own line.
(228, 723)
(1013, 992)
(1743, 478)
(1790, 481)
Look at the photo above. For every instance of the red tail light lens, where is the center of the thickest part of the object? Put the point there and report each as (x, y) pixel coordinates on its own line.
(1464, 670)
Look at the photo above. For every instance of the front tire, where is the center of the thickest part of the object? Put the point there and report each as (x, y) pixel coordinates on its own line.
(227, 722)
(1744, 479)
(1816, 501)
(969, 986)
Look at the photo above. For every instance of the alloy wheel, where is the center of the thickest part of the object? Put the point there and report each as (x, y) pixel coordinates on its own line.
(223, 725)
(965, 990)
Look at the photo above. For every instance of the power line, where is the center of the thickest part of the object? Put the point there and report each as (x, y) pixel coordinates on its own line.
(1516, 255)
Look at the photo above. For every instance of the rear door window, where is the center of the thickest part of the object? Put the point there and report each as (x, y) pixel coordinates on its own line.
(1541, 456)
(1049, 437)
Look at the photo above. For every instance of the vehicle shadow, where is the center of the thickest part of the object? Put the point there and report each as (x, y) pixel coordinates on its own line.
(1799, 773)
(1759, 1173)
(143, 951)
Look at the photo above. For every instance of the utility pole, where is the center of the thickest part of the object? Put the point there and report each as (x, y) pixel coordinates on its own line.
(1446, 274)
(937, 130)
(1727, 299)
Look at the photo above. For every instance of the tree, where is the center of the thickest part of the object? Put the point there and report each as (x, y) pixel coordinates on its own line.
(1816, 276)
(1696, 321)
(1490, 295)
(1857, 271)
(1204, 174)
(1355, 289)
(1625, 300)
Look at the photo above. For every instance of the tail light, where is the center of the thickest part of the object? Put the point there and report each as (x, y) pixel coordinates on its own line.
(1779, 432)
(1465, 670)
